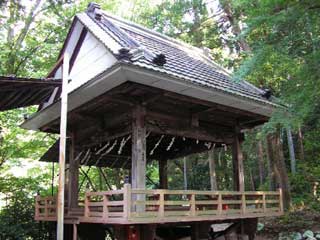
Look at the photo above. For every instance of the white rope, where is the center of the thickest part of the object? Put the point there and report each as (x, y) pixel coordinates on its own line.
(88, 158)
(85, 157)
(103, 148)
(148, 133)
(123, 143)
(78, 156)
(225, 147)
(208, 144)
(171, 143)
(97, 162)
(110, 148)
(156, 145)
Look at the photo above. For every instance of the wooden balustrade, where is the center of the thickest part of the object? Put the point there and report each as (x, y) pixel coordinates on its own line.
(158, 206)
(45, 208)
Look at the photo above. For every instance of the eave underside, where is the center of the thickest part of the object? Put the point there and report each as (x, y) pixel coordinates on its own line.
(187, 124)
(16, 92)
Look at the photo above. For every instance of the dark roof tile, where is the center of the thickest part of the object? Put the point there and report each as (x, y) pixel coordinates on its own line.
(181, 61)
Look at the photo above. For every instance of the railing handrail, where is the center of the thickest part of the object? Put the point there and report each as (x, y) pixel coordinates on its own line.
(105, 208)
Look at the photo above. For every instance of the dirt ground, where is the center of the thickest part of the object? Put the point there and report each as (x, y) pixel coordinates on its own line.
(298, 221)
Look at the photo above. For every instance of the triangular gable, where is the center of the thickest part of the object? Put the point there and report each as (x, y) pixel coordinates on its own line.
(91, 59)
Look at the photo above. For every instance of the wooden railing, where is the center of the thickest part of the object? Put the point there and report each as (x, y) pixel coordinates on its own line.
(45, 208)
(156, 206)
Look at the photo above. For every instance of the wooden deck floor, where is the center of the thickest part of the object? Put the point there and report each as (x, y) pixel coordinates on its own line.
(134, 206)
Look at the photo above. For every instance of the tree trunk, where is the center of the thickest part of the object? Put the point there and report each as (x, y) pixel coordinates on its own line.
(252, 184)
(270, 158)
(185, 176)
(261, 163)
(212, 168)
(300, 142)
(280, 167)
(291, 151)
(241, 43)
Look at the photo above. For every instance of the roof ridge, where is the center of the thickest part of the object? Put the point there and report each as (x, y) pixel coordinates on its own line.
(199, 51)
(132, 47)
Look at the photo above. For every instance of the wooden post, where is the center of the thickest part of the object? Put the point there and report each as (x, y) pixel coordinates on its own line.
(86, 206)
(75, 232)
(127, 201)
(193, 205)
(212, 167)
(73, 176)
(37, 207)
(62, 147)
(243, 204)
(220, 204)
(163, 173)
(264, 202)
(138, 169)
(105, 208)
(238, 169)
(46, 207)
(281, 200)
(161, 204)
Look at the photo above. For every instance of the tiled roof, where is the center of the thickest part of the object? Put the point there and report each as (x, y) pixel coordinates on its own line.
(140, 47)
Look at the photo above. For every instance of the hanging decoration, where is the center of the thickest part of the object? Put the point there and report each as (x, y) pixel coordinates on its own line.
(78, 156)
(110, 148)
(103, 148)
(171, 143)
(106, 152)
(183, 138)
(148, 133)
(208, 144)
(88, 158)
(197, 141)
(85, 157)
(225, 147)
(123, 143)
(156, 145)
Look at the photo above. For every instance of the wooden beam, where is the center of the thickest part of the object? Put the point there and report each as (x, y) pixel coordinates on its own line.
(179, 120)
(189, 132)
(194, 120)
(107, 136)
(237, 160)
(211, 105)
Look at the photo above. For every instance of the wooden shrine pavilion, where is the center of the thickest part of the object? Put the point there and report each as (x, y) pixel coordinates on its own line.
(135, 95)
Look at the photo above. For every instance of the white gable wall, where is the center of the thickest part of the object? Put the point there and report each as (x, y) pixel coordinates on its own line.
(93, 58)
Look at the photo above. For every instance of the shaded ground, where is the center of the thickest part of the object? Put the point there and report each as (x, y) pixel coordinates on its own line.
(298, 221)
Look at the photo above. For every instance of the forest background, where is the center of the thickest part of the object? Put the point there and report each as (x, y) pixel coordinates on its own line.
(272, 44)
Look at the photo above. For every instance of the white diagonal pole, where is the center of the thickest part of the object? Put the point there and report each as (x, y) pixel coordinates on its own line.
(62, 149)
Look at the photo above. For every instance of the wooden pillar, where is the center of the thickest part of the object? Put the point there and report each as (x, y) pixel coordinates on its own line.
(73, 183)
(163, 173)
(138, 169)
(75, 232)
(212, 168)
(237, 160)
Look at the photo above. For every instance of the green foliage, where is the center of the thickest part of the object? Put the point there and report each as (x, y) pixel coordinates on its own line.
(16, 216)
(188, 21)
(17, 143)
